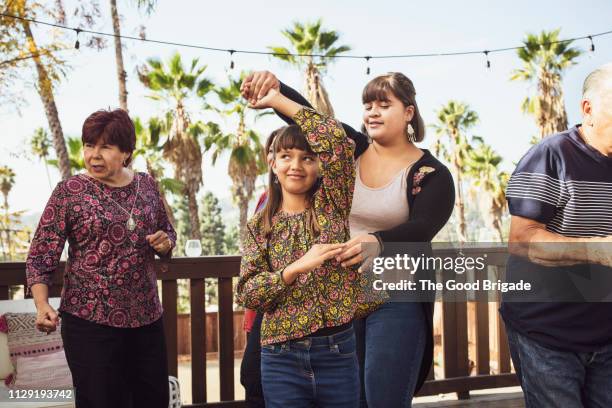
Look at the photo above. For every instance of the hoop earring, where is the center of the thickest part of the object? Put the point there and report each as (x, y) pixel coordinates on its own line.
(411, 133)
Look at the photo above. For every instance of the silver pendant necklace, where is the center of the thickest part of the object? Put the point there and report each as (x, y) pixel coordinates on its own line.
(130, 224)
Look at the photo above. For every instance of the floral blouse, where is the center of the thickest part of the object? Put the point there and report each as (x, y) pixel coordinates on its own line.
(109, 277)
(330, 295)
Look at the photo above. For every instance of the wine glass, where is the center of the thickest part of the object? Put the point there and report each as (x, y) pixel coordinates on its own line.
(193, 247)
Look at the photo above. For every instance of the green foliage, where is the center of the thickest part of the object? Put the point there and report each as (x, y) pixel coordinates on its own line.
(453, 120)
(544, 59)
(232, 240)
(75, 154)
(7, 180)
(40, 144)
(147, 5)
(211, 226)
(544, 52)
(150, 148)
(482, 164)
(308, 39)
(14, 240)
(244, 145)
(172, 81)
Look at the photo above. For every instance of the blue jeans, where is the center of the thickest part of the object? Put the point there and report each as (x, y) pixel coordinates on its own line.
(311, 371)
(552, 378)
(390, 347)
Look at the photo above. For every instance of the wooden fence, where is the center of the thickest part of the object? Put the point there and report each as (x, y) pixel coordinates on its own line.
(460, 374)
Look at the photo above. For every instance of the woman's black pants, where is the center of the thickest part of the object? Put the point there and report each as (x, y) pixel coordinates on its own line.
(116, 367)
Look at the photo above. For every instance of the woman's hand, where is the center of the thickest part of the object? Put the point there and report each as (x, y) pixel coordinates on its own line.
(361, 249)
(312, 259)
(257, 84)
(273, 99)
(160, 242)
(46, 318)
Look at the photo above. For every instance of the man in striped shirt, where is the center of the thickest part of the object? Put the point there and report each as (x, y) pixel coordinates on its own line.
(561, 194)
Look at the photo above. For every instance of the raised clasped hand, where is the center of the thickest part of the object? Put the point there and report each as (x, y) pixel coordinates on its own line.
(256, 87)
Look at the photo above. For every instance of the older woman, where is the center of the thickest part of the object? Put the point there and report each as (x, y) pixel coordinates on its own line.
(115, 222)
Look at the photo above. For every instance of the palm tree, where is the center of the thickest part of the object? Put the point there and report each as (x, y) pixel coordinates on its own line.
(48, 69)
(149, 5)
(246, 152)
(174, 84)
(544, 60)
(482, 165)
(7, 181)
(40, 146)
(18, 41)
(453, 120)
(148, 147)
(309, 39)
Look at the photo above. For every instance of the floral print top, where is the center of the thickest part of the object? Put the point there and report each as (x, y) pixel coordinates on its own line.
(109, 277)
(330, 295)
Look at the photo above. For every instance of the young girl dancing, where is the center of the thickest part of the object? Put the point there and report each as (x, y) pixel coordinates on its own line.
(288, 270)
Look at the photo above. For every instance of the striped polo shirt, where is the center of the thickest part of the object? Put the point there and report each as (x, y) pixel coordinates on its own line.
(565, 184)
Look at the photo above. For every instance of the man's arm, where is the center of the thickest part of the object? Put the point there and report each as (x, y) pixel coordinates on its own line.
(531, 239)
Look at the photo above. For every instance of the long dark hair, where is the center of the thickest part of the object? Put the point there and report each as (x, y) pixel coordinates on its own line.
(289, 137)
(402, 87)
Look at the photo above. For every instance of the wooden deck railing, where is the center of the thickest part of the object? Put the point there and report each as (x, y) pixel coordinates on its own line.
(455, 346)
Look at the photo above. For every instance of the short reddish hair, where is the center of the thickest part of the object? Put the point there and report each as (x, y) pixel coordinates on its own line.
(113, 127)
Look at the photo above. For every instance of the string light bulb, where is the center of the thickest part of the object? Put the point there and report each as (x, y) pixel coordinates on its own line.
(486, 53)
(367, 65)
(231, 52)
(77, 45)
(590, 37)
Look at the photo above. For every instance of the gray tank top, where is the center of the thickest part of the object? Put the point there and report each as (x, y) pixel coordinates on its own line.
(378, 209)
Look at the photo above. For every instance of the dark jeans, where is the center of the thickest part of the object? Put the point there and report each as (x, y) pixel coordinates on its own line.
(250, 368)
(317, 371)
(116, 367)
(552, 378)
(390, 346)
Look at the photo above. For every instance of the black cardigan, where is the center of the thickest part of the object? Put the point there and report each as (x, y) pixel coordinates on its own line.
(430, 209)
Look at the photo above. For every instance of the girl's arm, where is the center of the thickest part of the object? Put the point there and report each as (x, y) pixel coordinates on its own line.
(328, 140)
(261, 289)
(258, 288)
(257, 84)
(361, 140)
